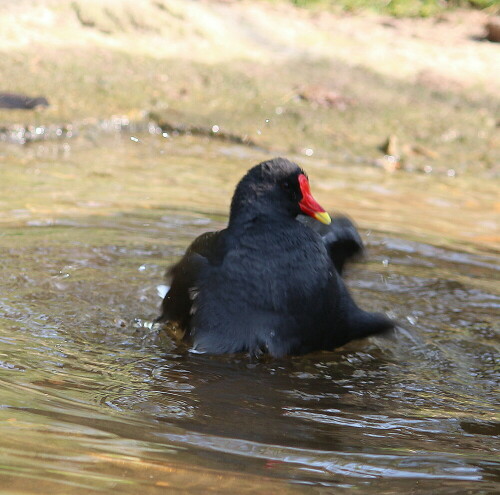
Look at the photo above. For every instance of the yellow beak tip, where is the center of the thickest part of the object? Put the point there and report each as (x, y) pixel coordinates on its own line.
(323, 217)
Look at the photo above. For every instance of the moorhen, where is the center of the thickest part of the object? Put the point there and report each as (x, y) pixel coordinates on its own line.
(270, 282)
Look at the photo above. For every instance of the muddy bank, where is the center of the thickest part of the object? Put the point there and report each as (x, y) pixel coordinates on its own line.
(323, 85)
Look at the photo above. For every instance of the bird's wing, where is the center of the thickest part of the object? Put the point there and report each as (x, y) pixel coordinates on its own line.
(207, 249)
(341, 238)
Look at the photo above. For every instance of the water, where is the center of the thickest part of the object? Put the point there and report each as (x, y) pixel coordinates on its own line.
(94, 401)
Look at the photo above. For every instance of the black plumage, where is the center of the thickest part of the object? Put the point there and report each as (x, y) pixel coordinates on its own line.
(270, 282)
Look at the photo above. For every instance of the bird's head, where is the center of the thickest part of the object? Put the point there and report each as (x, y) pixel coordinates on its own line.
(276, 187)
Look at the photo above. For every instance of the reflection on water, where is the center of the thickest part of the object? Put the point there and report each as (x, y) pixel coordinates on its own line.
(91, 400)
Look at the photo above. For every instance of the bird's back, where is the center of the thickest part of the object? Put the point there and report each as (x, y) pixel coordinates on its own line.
(269, 292)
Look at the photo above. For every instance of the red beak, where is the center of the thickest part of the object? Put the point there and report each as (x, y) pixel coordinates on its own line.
(309, 205)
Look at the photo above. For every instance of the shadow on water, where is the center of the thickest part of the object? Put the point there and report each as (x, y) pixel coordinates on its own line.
(92, 400)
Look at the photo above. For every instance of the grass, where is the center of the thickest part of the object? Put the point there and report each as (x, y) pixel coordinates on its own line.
(396, 8)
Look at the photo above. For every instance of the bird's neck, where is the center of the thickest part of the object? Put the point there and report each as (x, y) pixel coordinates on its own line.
(241, 220)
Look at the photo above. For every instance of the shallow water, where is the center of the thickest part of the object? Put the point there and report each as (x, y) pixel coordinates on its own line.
(92, 400)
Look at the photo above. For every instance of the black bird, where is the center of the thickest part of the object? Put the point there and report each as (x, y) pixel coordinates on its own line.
(269, 282)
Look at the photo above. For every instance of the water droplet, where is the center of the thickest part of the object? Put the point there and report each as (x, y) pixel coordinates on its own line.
(134, 139)
(193, 350)
(165, 135)
(427, 169)
(153, 128)
(259, 132)
(215, 128)
(309, 152)
(267, 121)
(162, 290)
(278, 110)
(451, 173)
(142, 268)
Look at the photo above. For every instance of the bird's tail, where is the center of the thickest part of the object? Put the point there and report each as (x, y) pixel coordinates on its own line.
(362, 324)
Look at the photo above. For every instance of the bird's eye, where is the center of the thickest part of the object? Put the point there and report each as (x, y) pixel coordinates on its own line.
(285, 185)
